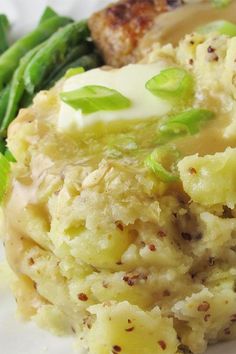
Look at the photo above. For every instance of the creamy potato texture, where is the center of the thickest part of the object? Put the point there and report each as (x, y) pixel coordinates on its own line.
(107, 252)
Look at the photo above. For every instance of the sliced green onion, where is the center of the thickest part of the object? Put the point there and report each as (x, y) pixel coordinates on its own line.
(221, 3)
(222, 27)
(74, 71)
(9, 156)
(4, 175)
(94, 98)
(188, 122)
(172, 84)
(160, 156)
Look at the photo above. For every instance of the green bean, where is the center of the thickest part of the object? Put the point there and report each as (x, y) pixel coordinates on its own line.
(2, 145)
(4, 97)
(88, 62)
(47, 14)
(17, 94)
(4, 27)
(53, 54)
(26, 100)
(76, 52)
(10, 59)
(17, 88)
(9, 155)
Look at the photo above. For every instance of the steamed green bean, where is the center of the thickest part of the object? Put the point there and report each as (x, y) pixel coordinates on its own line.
(53, 54)
(26, 100)
(4, 96)
(89, 61)
(4, 28)
(17, 88)
(2, 145)
(10, 59)
(47, 14)
(74, 54)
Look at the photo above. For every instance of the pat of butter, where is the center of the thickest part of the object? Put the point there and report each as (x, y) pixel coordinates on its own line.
(130, 80)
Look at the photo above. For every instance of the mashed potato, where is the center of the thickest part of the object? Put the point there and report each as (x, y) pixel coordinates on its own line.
(107, 252)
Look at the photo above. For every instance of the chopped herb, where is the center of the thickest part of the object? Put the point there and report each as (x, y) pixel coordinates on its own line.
(222, 27)
(221, 3)
(156, 160)
(187, 122)
(74, 71)
(94, 98)
(172, 84)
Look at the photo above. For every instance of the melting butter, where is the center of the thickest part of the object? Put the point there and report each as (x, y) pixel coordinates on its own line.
(129, 80)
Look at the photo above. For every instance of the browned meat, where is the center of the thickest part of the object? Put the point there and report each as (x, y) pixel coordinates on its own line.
(118, 28)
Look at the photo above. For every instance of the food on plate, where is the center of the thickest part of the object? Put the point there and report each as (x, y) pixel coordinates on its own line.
(118, 193)
(126, 29)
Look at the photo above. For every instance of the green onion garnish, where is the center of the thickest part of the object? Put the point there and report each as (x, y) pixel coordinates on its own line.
(222, 27)
(172, 84)
(94, 98)
(163, 155)
(188, 122)
(74, 71)
(4, 175)
(221, 3)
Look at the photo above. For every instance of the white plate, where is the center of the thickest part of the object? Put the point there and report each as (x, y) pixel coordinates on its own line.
(26, 338)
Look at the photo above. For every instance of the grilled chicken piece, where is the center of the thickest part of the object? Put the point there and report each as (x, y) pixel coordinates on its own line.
(118, 29)
(125, 31)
